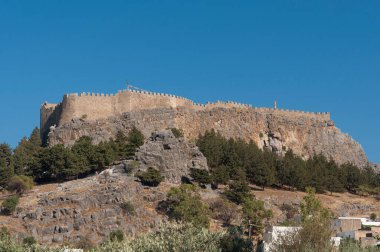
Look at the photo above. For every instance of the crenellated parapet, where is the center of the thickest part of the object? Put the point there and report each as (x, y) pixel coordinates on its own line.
(147, 100)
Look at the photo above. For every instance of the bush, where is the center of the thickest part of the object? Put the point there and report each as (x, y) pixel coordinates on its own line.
(117, 235)
(170, 237)
(135, 139)
(200, 176)
(220, 175)
(177, 132)
(373, 216)
(131, 166)
(235, 240)
(237, 192)
(29, 241)
(254, 212)
(4, 232)
(290, 210)
(223, 210)
(9, 205)
(20, 184)
(315, 233)
(128, 208)
(184, 204)
(151, 177)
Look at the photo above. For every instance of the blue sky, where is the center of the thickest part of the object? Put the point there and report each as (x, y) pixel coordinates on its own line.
(308, 55)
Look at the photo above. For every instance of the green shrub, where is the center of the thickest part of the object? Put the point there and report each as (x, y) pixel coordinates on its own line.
(117, 235)
(151, 177)
(254, 212)
(131, 166)
(29, 241)
(365, 190)
(135, 139)
(178, 133)
(235, 240)
(201, 176)
(20, 184)
(220, 175)
(237, 192)
(169, 237)
(373, 216)
(128, 208)
(184, 204)
(9, 244)
(9, 205)
(4, 232)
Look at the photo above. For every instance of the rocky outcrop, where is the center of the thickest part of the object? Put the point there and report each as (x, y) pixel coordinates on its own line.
(304, 134)
(174, 157)
(376, 167)
(87, 209)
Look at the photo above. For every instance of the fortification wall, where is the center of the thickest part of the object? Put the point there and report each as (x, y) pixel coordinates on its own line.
(94, 107)
(87, 106)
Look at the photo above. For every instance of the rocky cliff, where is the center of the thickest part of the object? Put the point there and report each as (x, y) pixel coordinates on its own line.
(173, 157)
(276, 130)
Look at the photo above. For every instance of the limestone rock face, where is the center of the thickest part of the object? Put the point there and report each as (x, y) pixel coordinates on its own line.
(376, 167)
(87, 209)
(277, 130)
(174, 157)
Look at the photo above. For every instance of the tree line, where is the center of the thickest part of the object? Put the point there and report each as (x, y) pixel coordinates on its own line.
(231, 159)
(228, 159)
(60, 163)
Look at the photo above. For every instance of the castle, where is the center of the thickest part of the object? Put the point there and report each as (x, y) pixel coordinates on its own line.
(100, 116)
(94, 106)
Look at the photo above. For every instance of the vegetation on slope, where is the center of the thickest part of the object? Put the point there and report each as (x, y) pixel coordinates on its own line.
(59, 163)
(234, 163)
(231, 159)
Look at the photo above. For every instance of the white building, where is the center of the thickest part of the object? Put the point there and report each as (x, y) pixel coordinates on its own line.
(365, 221)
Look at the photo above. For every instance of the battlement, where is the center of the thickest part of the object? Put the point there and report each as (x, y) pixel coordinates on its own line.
(209, 105)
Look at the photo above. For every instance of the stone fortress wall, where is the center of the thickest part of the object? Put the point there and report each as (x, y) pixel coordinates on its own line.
(94, 106)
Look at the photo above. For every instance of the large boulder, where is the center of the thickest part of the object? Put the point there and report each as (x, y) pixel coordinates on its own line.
(173, 157)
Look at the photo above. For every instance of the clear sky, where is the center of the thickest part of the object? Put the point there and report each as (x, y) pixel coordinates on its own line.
(308, 55)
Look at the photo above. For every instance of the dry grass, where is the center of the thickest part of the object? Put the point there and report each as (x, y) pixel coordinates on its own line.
(335, 202)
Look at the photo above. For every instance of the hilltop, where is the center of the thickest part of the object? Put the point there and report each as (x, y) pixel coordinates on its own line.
(102, 116)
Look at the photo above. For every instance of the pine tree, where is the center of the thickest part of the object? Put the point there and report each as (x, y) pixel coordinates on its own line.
(135, 139)
(6, 164)
(120, 144)
(26, 152)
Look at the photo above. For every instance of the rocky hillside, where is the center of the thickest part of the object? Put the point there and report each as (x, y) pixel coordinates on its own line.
(305, 135)
(341, 204)
(87, 210)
